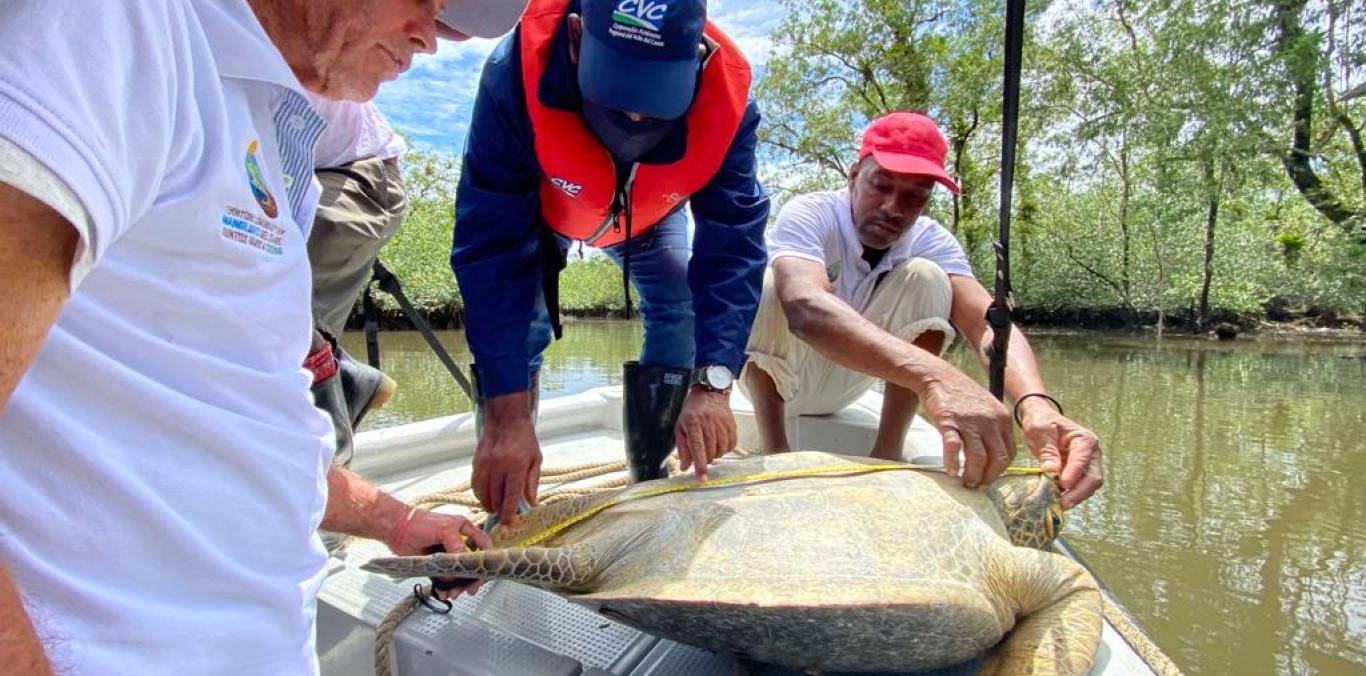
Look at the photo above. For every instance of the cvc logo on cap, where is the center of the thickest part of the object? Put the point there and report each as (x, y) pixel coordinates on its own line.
(641, 13)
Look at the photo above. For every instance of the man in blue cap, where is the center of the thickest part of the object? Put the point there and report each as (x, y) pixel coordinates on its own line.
(597, 121)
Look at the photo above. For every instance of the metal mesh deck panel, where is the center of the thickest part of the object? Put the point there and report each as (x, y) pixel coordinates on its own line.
(426, 643)
(558, 625)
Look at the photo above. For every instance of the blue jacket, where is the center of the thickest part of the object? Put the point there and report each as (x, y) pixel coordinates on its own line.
(497, 225)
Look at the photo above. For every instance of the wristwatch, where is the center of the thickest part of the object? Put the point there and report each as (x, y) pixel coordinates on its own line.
(714, 378)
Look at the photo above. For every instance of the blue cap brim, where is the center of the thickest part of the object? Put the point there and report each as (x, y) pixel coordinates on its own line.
(613, 79)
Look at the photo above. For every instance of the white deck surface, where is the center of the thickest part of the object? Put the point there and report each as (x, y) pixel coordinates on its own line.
(517, 630)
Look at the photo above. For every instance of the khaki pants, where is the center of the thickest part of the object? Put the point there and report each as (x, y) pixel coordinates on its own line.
(360, 210)
(914, 297)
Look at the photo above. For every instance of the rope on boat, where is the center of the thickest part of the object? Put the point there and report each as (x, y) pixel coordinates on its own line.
(459, 495)
(384, 633)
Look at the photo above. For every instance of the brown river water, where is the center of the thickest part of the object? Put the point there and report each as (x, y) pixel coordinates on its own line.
(1233, 519)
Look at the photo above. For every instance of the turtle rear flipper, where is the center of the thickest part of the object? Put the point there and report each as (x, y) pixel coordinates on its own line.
(556, 568)
(1062, 625)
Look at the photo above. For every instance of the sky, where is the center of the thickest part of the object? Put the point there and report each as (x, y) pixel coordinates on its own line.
(431, 103)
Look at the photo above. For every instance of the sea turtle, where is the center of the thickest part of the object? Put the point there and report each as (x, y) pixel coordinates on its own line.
(791, 560)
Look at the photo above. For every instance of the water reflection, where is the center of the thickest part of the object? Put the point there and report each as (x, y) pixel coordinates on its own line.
(1231, 521)
(589, 355)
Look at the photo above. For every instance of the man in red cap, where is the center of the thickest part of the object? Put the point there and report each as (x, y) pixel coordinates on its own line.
(862, 287)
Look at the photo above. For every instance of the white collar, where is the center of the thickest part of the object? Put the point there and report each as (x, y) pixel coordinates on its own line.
(240, 45)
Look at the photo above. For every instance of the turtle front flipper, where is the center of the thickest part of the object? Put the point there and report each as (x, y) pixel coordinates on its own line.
(556, 568)
(1061, 619)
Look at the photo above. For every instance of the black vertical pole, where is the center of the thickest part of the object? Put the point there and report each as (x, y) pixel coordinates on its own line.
(370, 313)
(998, 314)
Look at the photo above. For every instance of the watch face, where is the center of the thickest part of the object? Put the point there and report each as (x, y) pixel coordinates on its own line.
(718, 377)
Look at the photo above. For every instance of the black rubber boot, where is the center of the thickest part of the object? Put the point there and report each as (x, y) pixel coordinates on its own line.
(535, 390)
(365, 387)
(651, 399)
(327, 395)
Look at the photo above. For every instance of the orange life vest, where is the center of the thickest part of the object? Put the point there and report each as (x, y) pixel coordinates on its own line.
(579, 182)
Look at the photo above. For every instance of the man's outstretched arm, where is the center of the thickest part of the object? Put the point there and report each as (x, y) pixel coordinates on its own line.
(1061, 445)
(357, 507)
(966, 415)
(35, 264)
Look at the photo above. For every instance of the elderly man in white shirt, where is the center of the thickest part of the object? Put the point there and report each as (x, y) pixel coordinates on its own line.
(164, 470)
(862, 287)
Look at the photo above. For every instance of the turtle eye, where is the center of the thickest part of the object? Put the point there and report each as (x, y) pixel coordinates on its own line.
(1055, 521)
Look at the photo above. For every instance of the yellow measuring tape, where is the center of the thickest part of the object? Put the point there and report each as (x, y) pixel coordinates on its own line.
(748, 478)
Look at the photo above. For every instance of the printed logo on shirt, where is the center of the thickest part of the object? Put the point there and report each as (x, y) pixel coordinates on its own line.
(833, 272)
(258, 183)
(249, 229)
(673, 198)
(569, 187)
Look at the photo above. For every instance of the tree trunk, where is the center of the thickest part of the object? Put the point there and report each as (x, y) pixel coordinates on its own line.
(1358, 147)
(1124, 270)
(1161, 281)
(958, 197)
(962, 135)
(1212, 185)
(1293, 45)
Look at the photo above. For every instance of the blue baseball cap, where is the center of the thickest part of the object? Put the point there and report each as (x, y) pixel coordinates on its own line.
(640, 56)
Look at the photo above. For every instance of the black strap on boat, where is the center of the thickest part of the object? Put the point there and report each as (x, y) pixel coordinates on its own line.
(552, 263)
(389, 284)
(998, 314)
(626, 258)
(370, 314)
(621, 210)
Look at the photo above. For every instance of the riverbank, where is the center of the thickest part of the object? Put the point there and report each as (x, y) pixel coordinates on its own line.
(592, 287)
(1319, 326)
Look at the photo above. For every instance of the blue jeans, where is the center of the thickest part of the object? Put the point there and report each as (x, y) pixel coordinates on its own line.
(659, 272)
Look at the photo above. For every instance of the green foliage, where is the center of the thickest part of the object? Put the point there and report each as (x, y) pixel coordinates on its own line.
(420, 253)
(593, 286)
(1292, 243)
(1328, 269)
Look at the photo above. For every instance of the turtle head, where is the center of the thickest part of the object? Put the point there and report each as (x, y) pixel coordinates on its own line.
(1030, 507)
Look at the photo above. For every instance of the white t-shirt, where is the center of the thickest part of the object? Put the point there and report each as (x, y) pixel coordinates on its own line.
(162, 468)
(355, 131)
(820, 227)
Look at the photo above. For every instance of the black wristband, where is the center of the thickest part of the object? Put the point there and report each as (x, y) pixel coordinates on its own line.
(1015, 412)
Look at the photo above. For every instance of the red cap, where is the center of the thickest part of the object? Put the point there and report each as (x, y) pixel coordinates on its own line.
(908, 143)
